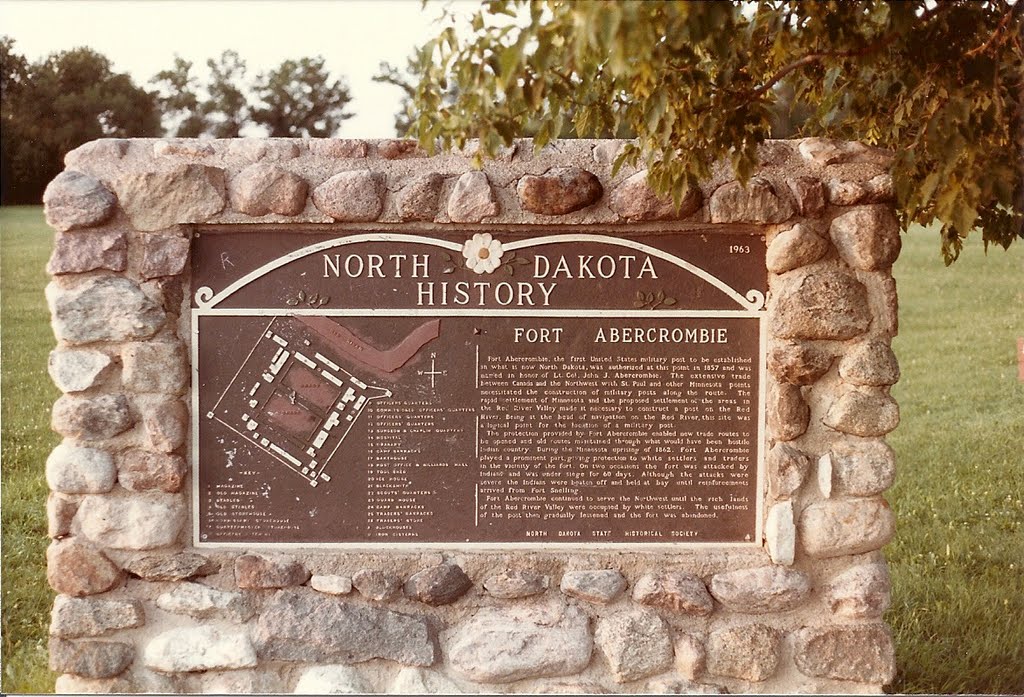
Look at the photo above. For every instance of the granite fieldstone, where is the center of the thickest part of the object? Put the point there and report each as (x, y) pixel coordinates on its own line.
(818, 303)
(788, 414)
(748, 652)
(761, 590)
(757, 202)
(75, 567)
(103, 308)
(77, 370)
(79, 252)
(600, 586)
(331, 680)
(787, 469)
(199, 648)
(204, 602)
(164, 255)
(185, 193)
(376, 585)
(170, 567)
(862, 467)
(442, 584)
(798, 363)
(870, 363)
(72, 617)
(841, 527)
(419, 199)
(311, 627)
(71, 469)
(798, 246)
(558, 191)
(516, 583)
(472, 200)
(354, 196)
(863, 653)
(678, 591)
(865, 414)
(90, 658)
(144, 470)
(74, 200)
(259, 571)
(867, 237)
(636, 643)
(635, 200)
(860, 592)
(91, 418)
(262, 189)
(132, 521)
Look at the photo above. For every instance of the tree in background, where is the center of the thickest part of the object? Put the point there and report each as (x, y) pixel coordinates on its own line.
(177, 90)
(227, 110)
(52, 106)
(938, 83)
(298, 99)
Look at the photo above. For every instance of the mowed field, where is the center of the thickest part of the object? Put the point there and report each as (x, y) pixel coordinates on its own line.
(958, 608)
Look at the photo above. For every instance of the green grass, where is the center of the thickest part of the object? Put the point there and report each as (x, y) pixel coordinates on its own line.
(956, 561)
(26, 396)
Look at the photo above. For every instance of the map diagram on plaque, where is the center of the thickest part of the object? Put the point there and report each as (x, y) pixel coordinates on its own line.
(291, 397)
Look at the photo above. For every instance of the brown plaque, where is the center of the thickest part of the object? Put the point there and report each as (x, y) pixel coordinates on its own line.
(379, 388)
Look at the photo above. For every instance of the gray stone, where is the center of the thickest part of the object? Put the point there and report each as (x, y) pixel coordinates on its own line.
(860, 592)
(354, 196)
(60, 511)
(331, 680)
(376, 585)
(787, 469)
(186, 193)
(170, 567)
(824, 151)
(74, 470)
(558, 191)
(845, 193)
(867, 237)
(102, 149)
(165, 424)
(142, 470)
(88, 251)
(72, 618)
(164, 255)
(472, 200)
(748, 652)
(761, 590)
(870, 363)
(798, 363)
(798, 246)
(757, 202)
(788, 413)
(818, 303)
(442, 584)
(89, 658)
(418, 200)
(417, 681)
(262, 189)
(75, 200)
(839, 528)
(690, 656)
(192, 649)
(203, 602)
(502, 646)
(862, 653)
(105, 308)
(809, 194)
(674, 590)
(332, 585)
(863, 414)
(862, 467)
(600, 586)
(135, 521)
(91, 418)
(310, 627)
(520, 583)
(636, 644)
(76, 370)
(259, 571)
(75, 567)
(635, 200)
(155, 366)
(780, 533)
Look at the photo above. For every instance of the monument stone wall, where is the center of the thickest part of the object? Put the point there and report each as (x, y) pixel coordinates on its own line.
(342, 416)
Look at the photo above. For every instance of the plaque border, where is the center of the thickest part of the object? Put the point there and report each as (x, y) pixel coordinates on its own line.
(752, 302)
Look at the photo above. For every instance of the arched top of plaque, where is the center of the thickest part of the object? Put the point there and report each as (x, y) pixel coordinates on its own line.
(482, 253)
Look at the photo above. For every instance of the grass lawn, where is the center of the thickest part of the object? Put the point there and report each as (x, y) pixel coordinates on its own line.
(958, 608)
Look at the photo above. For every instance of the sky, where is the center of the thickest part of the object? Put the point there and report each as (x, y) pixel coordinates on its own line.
(141, 37)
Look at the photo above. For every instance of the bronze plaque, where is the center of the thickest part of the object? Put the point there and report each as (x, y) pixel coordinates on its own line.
(477, 389)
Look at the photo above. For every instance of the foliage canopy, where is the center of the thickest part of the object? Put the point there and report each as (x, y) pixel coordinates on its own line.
(941, 84)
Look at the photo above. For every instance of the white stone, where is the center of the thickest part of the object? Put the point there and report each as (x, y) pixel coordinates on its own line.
(860, 592)
(332, 585)
(191, 649)
(502, 646)
(136, 521)
(75, 370)
(472, 200)
(691, 658)
(417, 681)
(71, 469)
(825, 475)
(331, 680)
(837, 527)
(203, 602)
(780, 533)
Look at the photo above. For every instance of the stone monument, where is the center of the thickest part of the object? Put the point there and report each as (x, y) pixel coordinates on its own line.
(342, 416)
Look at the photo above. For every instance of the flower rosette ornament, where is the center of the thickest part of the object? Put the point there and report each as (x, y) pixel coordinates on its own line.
(482, 253)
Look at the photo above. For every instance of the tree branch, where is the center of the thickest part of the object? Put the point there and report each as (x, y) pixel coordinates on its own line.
(999, 28)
